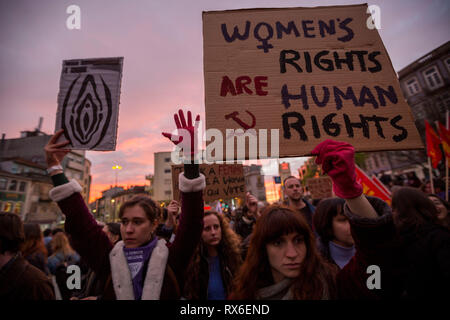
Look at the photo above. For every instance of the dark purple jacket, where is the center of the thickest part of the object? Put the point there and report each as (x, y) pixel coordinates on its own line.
(93, 245)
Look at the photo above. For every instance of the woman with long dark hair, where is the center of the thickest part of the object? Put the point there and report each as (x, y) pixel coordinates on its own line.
(215, 262)
(283, 262)
(33, 248)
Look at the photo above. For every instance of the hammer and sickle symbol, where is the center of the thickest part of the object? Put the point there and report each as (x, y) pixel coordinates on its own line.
(234, 116)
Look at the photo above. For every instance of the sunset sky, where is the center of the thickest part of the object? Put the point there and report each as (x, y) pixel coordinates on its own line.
(162, 44)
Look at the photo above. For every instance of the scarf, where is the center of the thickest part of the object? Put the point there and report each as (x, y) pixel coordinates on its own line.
(137, 258)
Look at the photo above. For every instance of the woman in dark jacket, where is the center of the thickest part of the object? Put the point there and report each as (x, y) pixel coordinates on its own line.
(141, 266)
(422, 258)
(215, 262)
(335, 241)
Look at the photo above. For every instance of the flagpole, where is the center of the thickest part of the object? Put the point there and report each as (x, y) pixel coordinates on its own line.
(431, 175)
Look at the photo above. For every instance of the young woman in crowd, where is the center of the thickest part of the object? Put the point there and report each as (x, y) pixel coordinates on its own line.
(442, 208)
(335, 241)
(141, 266)
(215, 262)
(283, 261)
(33, 249)
(62, 252)
(422, 259)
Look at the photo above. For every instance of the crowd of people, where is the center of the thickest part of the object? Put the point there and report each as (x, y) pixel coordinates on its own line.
(292, 250)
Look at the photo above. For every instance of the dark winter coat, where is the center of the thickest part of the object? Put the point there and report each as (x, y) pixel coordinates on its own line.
(19, 280)
(94, 246)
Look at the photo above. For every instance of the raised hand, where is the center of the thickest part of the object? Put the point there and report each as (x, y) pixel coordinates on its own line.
(187, 133)
(54, 152)
(252, 203)
(338, 161)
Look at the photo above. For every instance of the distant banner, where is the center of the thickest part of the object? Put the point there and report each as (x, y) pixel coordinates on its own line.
(223, 181)
(308, 73)
(370, 188)
(88, 102)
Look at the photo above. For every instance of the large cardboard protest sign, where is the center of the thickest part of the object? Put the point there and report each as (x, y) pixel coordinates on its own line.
(223, 181)
(88, 102)
(313, 73)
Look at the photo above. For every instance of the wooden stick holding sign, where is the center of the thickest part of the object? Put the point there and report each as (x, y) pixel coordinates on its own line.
(88, 103)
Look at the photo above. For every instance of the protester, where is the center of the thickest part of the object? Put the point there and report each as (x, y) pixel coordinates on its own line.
(245, 222)
(48, 246)
(47, 236)
(92, 284)
(112, 230)
(283, 261)
(140, 266)
(423, 254)
(443, 208)
(215, 262)
(19, 280)
(168, 226)
(335, 241)
(33, 248)
(413, 181)
(294, 192)
(62, 253)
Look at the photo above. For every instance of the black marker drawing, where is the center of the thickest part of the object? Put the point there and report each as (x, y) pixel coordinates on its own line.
(88, 115)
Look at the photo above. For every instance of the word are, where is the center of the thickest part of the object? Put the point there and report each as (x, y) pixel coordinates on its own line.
(242, 84)
(296, 121)
(360, 99)
(330, 61)
(264, 31)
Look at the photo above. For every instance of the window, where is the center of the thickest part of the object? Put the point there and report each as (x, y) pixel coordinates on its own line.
(7, 207)
(12, 185)
(3, 183)
(22, 186)
(167, 159)
(447, 63)
(413, 86)
(18, 207)
(433, 78)
(166, 170)
(168, 192)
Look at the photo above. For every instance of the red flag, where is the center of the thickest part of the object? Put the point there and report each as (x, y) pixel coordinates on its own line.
(370, 188)
(444, 134)
(433, 142)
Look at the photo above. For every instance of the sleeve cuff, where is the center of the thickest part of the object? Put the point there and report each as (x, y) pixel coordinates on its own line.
(191, 185)
(382, 209)
(64, 191)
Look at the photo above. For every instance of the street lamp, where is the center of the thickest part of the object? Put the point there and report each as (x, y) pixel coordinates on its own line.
(117, 167)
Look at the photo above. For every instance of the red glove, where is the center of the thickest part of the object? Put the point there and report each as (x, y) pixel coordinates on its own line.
(338, 161)
(187, 133)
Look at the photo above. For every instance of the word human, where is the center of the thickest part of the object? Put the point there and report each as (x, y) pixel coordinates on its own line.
(264, 32)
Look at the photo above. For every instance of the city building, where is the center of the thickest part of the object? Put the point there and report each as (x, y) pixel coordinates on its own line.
(30, 148)
(425, 84)
(106, 208)
(162, 177)
(254, 181)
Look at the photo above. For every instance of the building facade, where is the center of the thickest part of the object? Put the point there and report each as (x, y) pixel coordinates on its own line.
(425, 84)
(162, 178)
(254, 181)
(30, 147)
